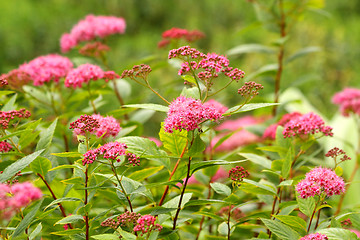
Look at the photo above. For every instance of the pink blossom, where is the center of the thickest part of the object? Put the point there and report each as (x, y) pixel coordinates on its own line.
(315, 236)
(309, 123)
(47, 68)
(108, 126)
(189, 114)
(241, 136)
(111, 151)
(270, 132)
(86, 72)
(16, 196)
(356, 232)
(7, 116)
(146, 224)
(156, 141)
(349, 101)
(218, 106)
(5, 146)
(320, 180)
(178, 33)
(85, 124)
(90, 28)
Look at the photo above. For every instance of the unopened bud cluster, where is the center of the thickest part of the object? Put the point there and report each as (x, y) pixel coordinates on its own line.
(138, 71)
(250, 89)
(237, 174)
(7, 116)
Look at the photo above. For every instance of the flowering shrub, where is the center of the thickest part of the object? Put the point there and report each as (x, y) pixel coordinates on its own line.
(224, 167)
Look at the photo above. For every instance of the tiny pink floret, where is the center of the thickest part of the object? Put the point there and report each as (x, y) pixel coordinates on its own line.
(349, 101)
(315, 236)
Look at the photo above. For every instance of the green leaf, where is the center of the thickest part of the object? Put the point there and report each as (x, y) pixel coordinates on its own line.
(286, 167)
(36, 232)
(223, 228)
(60, 200)
(338, 234)
(250, 48)
(63, 167)
(126, 235)
(3, 92)
(306, 205)
(126, 130)
(203, 202)
(41, 165)
(10, 105)
(46, 136)
(174, 142)
(142, 115)
(281, 230)
(189, 78)
(146, 148)
(190, 92)
(144, 173)
(286, 183)
(205, 164)
(248, 107)
(197, 146)
(110, 237)
(220, 188)
(210, 215)
(68, 232)
(25, 222)
(269, 69)
(292, 221)
(74, 180)
(303, 52)
(150, 106)
(70, 219)
(260, 186)
(161, 210)
(26, 138)
(19, 165)
(68, 154)
(173, 203)
(14, 134)
(259, 160)
(339, 171)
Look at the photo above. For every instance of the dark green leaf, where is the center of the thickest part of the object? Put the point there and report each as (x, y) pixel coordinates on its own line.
(19, 165)
(203, 202)
(306, 205)
(260, 186)
(41, 165)
(197, 146)
(210, 215)
(46, 136)
(286, 167)
(292, 221)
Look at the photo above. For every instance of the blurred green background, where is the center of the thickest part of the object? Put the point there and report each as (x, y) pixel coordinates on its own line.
(30, 28)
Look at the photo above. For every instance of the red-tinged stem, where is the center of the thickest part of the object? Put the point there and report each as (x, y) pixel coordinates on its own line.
(282, 25)
(182, 194)
(312, 216)
(317, 220)
(54, 197)
(122, 187)
(171, 175)
(85, 203)
(228, 222)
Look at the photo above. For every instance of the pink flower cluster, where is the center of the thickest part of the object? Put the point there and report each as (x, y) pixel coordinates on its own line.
(16, 196)
(47, 68)
(178, 33)
(270, 132)
(96, 124)
(320, 180)
(5, 146)
(146, 224)
(138, 71)
(111, 151)
(124, 220)
(349, 101)
(3, 81)
(315, 236)
(309, 123)
(7, 116)
(209, 65)
(86, 72)
(188, 114)
(16, 78)
(90, 28)
(240, 136)
(237, 174)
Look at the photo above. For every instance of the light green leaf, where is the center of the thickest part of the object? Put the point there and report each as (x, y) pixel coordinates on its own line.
(303, 52)
(248, 107)
(210, 215)
(60, 200)
(281, 230)
(36, 231)
(306, 205)
(174, 142)
(260, 186)
(68, 232)
(223, 228)
(198, 146)
(260, 160)
(70, 219)
(47, 136)
(173, 203)
(25, 222)
(190, 92)
(150, 106)
(41, 165)
(189, 78)
(68, 154)
(286, 167)
(110, 236)
(220, 188)
(10, 104)
(292, 221)
(250, 48)
(19, 165)
(203, 202)
(126, 235)
(269, 69)
(338, 234)
(144, 173)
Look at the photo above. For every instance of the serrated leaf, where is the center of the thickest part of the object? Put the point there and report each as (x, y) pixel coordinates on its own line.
(197, 146)
(248, 107)
(144, 173)
(47, 136)
(19, 165)
(174, 142)
(41, 165)
(70, 219)
(292, 221)
(25, 222)
(150, 106)
(220, 188)
(223, 228)
(281, 230)
(338, 234)
(259, 160)
(306, 205)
